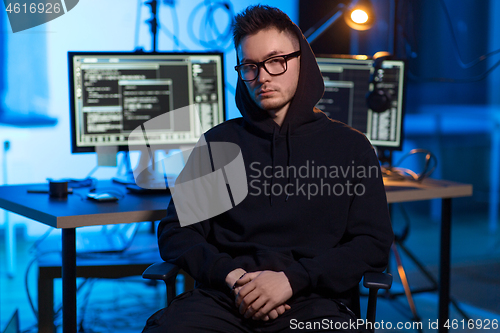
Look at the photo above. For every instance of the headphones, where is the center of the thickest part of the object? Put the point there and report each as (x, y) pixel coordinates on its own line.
(377, 99)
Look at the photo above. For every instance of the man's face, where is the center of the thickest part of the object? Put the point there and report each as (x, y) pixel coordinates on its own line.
(272, 93)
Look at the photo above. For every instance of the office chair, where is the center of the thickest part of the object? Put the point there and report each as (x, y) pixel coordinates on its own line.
(373, 281)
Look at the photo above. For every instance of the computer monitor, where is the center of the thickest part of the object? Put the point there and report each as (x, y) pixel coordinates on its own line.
(112, 93)
(347, 82)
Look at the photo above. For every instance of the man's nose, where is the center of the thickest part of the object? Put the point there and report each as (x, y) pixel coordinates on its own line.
(263, 75)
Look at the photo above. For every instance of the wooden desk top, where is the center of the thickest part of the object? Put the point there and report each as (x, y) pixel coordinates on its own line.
(77, 211)
(408, 190)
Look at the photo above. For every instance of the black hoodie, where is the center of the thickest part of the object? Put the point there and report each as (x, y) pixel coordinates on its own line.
(328, 229)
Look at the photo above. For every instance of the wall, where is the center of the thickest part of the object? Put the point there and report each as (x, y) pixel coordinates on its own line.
(36, 62)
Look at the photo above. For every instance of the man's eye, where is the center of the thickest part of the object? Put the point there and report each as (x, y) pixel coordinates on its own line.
(248, 68)
(275, 61)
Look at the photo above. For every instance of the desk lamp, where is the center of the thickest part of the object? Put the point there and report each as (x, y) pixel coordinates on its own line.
(358, 15)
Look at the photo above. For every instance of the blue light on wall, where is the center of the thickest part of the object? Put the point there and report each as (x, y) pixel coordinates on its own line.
(24, 101)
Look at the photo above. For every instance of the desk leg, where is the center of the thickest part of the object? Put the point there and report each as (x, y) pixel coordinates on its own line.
(444, 265)
(45, 302)
(69, 280)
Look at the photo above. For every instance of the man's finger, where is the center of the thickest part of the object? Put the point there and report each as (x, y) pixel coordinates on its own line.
(273, 314)
(279, 310)
(247, 277)
(251, 305)
(243, 292)
(266, 318)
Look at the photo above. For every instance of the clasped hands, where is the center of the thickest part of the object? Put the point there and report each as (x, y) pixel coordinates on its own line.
(260, 295)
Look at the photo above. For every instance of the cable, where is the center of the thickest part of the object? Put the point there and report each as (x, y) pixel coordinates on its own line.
(92, 171)
(455, 42)
(77, 183)
(111, 190)
(451, 80)
(26, 277)
(209, 37)
(412, 44)
(85, 302)
(122, 311)
(39, 240)
(169, 34)
(175, 22)
(397, 173)
(208, 25)
(80, 196)
(430, 163)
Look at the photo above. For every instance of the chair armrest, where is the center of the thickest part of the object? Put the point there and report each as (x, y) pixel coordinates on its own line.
(161, 271)
(166, 272)
(377, 280)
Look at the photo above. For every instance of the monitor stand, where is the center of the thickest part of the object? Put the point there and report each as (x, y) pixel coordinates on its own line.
(151, 173)
(388, 170)
(385, 157)
(126, 176)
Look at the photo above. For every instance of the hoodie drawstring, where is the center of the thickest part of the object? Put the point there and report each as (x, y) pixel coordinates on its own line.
(288, 162)
(273, 151)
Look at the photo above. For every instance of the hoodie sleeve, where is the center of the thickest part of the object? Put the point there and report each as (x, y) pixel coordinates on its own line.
(364, 247)
(187, 247)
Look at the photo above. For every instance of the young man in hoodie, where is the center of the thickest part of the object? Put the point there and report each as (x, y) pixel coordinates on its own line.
(291, 254)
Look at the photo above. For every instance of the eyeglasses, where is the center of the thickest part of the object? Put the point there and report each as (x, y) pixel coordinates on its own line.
(275, 65)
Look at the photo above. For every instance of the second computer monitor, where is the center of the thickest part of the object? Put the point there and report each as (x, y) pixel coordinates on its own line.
(347, 83)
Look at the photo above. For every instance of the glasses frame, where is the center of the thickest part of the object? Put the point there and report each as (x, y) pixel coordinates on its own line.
(262, 64)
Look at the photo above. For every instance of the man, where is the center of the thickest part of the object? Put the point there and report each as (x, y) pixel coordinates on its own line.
(315, 219)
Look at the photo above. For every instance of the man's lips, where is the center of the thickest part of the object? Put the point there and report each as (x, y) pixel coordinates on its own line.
(265, 92)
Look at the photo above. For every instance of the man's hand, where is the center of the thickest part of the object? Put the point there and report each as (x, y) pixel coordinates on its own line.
(262, 295)
(274, 313)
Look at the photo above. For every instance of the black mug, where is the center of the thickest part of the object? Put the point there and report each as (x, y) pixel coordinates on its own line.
(58, 189)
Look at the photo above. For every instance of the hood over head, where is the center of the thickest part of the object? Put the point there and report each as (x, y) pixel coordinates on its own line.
(310, 89)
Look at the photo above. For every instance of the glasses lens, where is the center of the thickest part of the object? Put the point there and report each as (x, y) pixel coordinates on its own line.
(248, 72)
(276, 65)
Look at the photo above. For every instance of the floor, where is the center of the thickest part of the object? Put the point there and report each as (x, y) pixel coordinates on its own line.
(123, 306)
(475, 283)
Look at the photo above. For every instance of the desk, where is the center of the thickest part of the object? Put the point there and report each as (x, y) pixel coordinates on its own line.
(74, 212)
(406, 191)
(142, 253)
